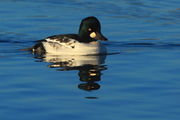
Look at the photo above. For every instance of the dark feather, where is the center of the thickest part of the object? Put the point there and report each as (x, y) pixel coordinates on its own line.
(65, 37)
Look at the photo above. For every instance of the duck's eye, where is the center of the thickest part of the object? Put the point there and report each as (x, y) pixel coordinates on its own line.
(89, 29)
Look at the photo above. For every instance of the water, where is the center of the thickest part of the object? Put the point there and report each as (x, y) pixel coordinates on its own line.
(139, 83)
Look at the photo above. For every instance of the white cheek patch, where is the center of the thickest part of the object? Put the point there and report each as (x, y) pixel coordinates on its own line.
(93, 35)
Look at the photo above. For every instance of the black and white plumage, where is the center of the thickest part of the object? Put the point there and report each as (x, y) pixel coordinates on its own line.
(84, 43)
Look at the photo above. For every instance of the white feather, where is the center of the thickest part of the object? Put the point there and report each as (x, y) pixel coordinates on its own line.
(73, 47)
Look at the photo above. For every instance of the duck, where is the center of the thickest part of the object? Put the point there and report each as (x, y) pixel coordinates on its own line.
(86, 42)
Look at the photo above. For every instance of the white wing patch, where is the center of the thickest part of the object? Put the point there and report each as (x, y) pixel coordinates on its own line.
(65, 42)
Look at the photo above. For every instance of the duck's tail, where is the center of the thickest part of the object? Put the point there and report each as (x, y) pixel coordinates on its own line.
(26, 49)
(37, 48)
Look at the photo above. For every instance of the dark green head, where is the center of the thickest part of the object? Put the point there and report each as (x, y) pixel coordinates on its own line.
(90, 30)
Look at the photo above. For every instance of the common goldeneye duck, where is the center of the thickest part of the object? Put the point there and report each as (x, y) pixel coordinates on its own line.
(84, 43)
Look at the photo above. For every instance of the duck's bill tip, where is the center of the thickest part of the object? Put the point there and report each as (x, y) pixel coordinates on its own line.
(99, 36)
(104, 39)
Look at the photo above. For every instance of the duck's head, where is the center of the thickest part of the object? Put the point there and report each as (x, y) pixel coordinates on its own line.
(90, 30)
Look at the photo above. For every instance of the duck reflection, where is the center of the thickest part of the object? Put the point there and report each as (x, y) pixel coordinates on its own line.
(89, 68)
(90, 74)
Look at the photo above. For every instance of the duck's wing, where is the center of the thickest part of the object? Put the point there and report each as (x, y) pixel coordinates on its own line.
(63, 36)
(55, 42)
(67, 40)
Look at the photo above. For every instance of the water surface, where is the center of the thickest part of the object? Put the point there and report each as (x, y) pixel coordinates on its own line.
(141, 82)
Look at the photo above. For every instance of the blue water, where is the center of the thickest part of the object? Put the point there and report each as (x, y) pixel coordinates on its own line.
(142, 82)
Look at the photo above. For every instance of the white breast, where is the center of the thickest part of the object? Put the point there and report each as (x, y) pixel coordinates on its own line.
(73, 47)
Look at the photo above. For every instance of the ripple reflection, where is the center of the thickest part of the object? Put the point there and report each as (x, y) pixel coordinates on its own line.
(89, 67)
